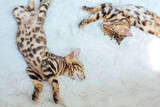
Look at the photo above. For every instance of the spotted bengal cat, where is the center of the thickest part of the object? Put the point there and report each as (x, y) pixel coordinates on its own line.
(42, 64)
(118, 20)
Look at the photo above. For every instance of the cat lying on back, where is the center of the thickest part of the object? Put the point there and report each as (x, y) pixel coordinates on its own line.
(41, 63)
(118, 20)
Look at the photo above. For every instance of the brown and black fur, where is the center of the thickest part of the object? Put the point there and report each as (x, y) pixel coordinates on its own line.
(42, 64)
(124, 17)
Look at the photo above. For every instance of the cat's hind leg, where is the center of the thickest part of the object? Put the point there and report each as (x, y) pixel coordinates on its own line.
(43, 8)
(19, 10)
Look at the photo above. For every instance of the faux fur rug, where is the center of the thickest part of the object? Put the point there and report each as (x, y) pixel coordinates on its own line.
(116, 76)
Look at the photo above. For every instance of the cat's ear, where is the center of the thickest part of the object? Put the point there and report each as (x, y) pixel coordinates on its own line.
(126, 33)
(76, 53)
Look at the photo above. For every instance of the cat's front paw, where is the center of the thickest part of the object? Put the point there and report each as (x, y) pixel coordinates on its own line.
(84, 8)
(34, 97)
(81, 24)
(56, 98)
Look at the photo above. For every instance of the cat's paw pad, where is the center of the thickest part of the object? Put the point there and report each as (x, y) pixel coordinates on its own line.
(81, 24)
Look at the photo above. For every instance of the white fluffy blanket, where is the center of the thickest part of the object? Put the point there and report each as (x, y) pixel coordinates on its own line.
(116, 76)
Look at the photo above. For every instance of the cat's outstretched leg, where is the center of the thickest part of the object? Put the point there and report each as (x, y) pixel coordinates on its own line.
(49, 71)
(36, 79)
(19, 10)
(43, 8)
(92, 18)
(96, 9)
(105, 12)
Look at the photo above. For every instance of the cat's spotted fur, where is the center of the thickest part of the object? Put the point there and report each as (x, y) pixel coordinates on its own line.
(42, 64)
(118, 20)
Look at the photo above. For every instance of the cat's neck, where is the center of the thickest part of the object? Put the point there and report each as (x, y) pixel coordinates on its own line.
(66, 70)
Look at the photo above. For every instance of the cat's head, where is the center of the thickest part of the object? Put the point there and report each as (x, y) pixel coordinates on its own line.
(75, 68)
(117, 30)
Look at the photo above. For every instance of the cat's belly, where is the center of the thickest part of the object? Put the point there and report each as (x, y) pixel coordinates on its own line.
(31, 42)
(136, 12)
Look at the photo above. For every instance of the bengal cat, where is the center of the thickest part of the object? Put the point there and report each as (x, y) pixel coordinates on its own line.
(118, 20)
(42, 64)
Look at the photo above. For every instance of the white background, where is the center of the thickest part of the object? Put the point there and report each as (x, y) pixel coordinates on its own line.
(116, 76)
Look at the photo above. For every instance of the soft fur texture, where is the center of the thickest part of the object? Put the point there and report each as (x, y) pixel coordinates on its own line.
(41, 63)
(116, 76)
(118, 20)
